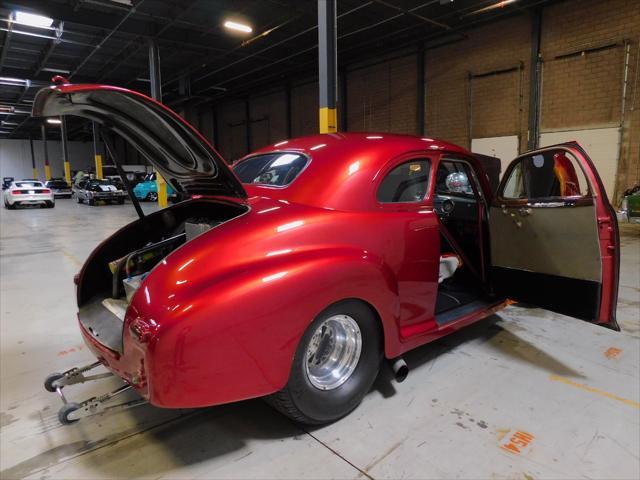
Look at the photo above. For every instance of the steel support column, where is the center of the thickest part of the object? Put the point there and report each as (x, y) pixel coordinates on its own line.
(96, 152)
(65, 149)
(328, 66)
(247, 117)
(344, 121)
(420, 94)
(287, 109)
(33, 159)
(156, 94)
(47, 167)
(535, 80)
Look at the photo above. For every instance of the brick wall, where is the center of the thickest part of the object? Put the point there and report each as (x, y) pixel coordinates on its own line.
(586, 90)
(479, 86)
(458, 107)
(382, 97)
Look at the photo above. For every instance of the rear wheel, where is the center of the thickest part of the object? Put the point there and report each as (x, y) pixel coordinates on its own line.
(121, 201)
(334, 367)
(78, 199)
(51, 204)
(91, 202)
(152, 197)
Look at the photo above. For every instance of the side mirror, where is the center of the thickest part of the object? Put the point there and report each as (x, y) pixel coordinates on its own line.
(457, 182)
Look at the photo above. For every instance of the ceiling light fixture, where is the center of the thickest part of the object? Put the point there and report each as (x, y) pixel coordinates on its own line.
(56, 70)
(240, 27)
(54, 121)
(32, 19)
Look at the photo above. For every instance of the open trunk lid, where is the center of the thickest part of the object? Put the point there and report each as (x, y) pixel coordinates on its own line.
(178, 151)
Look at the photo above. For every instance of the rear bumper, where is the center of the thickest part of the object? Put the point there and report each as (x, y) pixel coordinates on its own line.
(62, 193)
(108, 196)
(28, 199)
(129, 367)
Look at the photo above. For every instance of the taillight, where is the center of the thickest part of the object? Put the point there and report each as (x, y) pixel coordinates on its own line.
(17, 192)
(46, 190)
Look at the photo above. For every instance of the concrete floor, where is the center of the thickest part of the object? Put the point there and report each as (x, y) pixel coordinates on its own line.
(565, 394)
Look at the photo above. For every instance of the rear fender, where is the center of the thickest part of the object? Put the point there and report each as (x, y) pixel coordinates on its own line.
(235, 337)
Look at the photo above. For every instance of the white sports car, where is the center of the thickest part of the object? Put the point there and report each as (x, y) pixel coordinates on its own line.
(28, 192)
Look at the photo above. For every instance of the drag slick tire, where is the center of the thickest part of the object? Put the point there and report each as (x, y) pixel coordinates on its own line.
(334, 367)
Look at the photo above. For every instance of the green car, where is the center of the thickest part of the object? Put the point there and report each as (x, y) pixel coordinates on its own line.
(631, 204)
(148, 189)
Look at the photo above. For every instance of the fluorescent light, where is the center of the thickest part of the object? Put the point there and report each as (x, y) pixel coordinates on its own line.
(56, 70)
(54, 121)
(241, 27)
(32, 19)
(12, 79)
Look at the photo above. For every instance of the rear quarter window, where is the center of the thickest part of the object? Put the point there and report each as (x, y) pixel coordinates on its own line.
(276, 169)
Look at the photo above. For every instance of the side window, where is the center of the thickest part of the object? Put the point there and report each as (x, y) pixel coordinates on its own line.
(550, 174)
(408, 182)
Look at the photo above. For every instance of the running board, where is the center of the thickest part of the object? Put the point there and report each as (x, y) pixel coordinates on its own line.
(458, 312)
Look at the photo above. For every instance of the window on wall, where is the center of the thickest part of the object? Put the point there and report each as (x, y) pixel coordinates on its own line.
(408, 182)
(552, 173)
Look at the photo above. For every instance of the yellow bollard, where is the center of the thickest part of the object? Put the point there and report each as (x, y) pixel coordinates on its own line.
(67, 172)
(162, 190)
(99, 167)
(328, 120)
(47, 171)
(35, 173)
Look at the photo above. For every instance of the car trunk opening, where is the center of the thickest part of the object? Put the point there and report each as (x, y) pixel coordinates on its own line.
(119, 266)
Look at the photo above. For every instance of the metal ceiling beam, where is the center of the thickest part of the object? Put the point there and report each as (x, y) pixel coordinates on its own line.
(412, 13)
(97, 19)
(5, 46)
(106, 38)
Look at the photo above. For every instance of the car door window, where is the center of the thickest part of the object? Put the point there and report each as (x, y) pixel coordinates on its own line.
(406, 183)
(550, 174)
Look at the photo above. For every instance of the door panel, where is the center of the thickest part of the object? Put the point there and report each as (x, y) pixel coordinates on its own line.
(554, 235)
(529, 241)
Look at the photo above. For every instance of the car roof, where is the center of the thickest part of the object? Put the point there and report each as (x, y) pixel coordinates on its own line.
(344, 165)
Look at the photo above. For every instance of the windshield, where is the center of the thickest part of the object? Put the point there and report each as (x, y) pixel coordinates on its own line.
(275, 169)
(28, 184)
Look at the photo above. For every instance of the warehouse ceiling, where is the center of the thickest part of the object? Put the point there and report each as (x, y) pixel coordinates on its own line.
(107, 41)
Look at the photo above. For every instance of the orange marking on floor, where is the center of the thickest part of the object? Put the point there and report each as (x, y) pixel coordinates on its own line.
(77, 348)
(517, 442)
(612, 352)
(597, 391)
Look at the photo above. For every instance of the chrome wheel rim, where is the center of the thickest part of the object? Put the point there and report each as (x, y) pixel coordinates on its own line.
(333, 352)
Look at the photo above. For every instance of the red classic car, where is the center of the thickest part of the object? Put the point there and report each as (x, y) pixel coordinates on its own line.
(295, 274)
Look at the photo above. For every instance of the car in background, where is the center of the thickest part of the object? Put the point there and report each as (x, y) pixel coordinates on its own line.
(95, 190)
(59, 187)
(28, 192)
(630, 209)
(148, 189)
(6, 181)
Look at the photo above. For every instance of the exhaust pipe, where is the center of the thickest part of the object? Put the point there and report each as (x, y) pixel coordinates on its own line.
(400, 369)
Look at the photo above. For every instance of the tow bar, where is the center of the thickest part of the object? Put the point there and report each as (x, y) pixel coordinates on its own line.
(71, 412)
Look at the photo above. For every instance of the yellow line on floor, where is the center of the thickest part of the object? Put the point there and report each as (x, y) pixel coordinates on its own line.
(597, 391)
(71, 258)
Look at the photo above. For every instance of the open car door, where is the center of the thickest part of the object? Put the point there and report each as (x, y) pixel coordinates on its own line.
(554, 235)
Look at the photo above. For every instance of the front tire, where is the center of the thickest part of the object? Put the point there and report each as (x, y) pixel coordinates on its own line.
(334, 367)
(152, 197)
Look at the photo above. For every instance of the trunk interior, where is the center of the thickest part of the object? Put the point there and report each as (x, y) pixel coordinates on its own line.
(120, 264)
